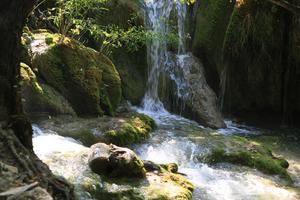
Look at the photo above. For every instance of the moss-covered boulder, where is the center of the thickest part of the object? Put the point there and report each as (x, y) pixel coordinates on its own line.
(39, 98)
(123, 130)
(246, 152)
(86, 78)
(134, 130)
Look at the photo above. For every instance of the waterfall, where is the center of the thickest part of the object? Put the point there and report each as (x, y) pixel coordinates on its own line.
(181, 16)
(157, 14)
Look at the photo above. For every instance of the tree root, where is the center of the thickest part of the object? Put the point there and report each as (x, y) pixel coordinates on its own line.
(27, 162)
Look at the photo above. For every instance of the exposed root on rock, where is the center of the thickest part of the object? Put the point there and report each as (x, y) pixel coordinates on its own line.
(14, 153)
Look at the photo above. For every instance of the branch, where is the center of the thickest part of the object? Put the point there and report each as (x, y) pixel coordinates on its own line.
(287, 5)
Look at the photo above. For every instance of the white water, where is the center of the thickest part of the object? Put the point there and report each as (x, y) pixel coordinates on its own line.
(173, 143)
(157, 14)
(47, 142)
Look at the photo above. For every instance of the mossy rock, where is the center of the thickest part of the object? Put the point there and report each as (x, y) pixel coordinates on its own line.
(134, 130)
(247, 153)
(170, 167)
(122, 130)
(39, 98)
(133, 68)
(87, 79)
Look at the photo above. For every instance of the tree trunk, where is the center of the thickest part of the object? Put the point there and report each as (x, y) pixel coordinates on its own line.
(12, 18)
(13, 14)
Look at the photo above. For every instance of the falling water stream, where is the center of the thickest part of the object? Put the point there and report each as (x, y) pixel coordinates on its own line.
(157, 14)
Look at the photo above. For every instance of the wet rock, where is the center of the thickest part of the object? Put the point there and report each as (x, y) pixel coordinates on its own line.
(126, 129)
(151, 166)
(132, 129)
(115, 161)
(185, 91)
(171, 167)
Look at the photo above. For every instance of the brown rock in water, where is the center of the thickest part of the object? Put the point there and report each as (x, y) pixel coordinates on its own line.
(185, 91)
(111, 160)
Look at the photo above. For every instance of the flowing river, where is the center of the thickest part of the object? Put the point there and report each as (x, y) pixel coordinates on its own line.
(178, 140)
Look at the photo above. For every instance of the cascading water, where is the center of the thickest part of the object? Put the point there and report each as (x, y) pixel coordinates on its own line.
(157, 14)
(181, 16)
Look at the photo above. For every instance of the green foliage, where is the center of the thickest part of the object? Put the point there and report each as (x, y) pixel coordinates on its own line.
(80, 18)
(73, 17)
(112, 36)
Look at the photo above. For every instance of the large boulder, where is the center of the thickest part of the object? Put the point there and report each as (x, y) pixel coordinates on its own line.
(86, 78)
(39, 98)
(115, 161)
(185, 91)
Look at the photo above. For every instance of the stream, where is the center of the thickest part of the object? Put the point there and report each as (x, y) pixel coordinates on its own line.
(181, 141)
(176, 140)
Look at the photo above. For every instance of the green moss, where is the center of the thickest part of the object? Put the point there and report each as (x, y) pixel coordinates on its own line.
(86, 78)
(249, 49)
(211, 23)
(242, 44)
(147, 120)
(135, 130)
(260, 160)
(41, 98)
(171, 167)
(49, 40)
